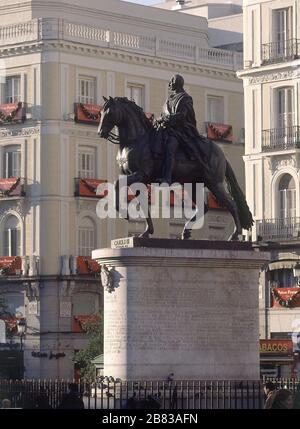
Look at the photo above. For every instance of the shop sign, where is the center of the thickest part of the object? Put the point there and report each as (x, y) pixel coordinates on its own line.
(278, 347)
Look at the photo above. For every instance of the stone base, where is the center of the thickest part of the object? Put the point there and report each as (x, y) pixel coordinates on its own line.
(187, 309)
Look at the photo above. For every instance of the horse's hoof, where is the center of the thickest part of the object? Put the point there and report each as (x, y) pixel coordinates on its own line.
(145, 234)
(236, 236)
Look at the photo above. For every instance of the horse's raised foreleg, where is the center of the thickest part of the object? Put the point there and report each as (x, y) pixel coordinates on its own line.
(225, 199)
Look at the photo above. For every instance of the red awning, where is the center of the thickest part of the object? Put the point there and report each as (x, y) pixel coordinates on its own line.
(88, 188)
(11, 323)
(213, 203)
(87, 113)
(12, 112)
(10, 187)
(87, 265)
(80, 320)
(217, 131)
(10, 264)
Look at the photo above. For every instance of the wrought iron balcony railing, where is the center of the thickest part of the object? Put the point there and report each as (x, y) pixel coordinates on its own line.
(278, 52)
(281, 138)
(278, 229)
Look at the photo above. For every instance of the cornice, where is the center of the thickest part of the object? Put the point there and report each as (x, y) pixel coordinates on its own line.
(287, 70)
(118, 55)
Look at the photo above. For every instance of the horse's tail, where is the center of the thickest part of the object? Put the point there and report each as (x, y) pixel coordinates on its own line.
(237, 194)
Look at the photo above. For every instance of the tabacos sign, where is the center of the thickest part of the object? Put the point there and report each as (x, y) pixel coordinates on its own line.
(284, 347)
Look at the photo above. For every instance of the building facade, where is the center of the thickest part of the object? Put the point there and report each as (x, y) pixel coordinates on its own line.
(271, 78)
(57, 62)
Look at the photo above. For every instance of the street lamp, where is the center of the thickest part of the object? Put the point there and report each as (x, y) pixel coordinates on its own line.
(21, 325)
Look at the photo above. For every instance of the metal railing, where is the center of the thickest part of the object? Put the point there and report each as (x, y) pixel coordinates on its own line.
(278, 229)
(281, 138)
(200, 394)
(276, 52)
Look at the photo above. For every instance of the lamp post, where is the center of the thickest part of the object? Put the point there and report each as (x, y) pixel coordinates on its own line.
(21, 331)
(21, 326)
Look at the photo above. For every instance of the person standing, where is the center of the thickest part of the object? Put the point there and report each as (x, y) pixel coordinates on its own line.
(270, 390)
(282, 400)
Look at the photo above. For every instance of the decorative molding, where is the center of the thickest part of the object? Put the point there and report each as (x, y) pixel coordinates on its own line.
(19, 132)
(277, 162)
(65, 308)
(280, 75)
(19, 206)
(108, 278)
(86, 204)
(176, 64)
(33, 291)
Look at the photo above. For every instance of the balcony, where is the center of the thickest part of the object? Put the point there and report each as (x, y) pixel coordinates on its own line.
(281, 139)
(79, 265)
(19, 266)
(278, 52)
(152, 45)
(88, 188)
(12, 187)
(278, 229)
(12, 113)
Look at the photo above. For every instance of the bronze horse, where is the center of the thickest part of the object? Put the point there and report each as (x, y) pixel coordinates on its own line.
(136, 139)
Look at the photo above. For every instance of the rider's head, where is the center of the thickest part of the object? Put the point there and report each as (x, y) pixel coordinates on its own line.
(176, 82)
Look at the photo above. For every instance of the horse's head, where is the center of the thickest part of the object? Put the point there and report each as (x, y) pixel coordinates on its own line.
(110, 117)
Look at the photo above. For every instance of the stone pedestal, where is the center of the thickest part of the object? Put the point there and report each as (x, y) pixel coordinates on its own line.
(183, 307)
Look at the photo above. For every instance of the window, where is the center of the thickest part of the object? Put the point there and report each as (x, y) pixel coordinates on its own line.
(215, 109)
(12, 162)
(15, 304)
(287, 197)
(136, 93)
(84, 304)
(282, 29)
(12, 237)
(13, 89)
(285, 110)
(86, 237)
(87, 90)
(87, 163)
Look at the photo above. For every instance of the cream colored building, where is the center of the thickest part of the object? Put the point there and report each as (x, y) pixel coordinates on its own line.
(224, 18)
(271, 78)
(56, 54)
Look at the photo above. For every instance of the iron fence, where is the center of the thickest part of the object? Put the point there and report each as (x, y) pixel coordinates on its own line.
(105, 394)
(276, 229)
(283, 50)
(281, 138)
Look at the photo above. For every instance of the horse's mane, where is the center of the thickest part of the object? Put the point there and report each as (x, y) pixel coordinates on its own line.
(131, 107)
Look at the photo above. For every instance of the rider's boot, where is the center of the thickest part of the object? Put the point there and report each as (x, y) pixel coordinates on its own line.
(169, 162)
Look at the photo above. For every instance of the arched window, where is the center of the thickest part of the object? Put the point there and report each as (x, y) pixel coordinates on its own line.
(86, 237)
(12, 237)
(287, 197)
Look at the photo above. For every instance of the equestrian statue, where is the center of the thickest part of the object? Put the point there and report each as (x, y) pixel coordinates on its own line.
(170, 149)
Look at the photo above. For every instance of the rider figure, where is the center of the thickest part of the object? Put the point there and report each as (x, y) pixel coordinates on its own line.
(178, 124)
